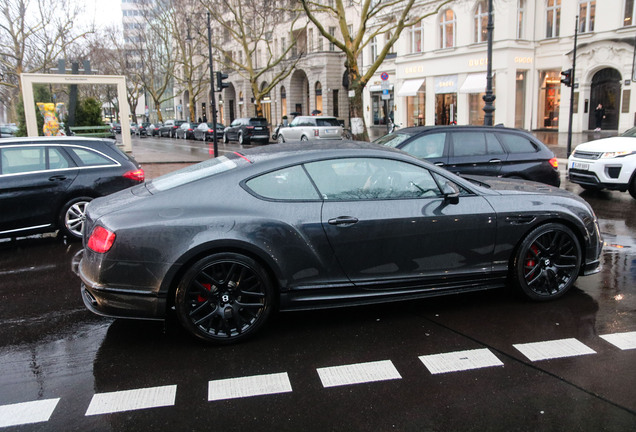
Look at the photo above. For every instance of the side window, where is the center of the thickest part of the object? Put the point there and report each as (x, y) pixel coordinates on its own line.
(235, 123)
(91, 158)
(371, 178)
(57, 159)
(517, 143)
(295, 121)
(286, 184)
(469, 144)
(24, 159)
(427, 146)
(493, 146)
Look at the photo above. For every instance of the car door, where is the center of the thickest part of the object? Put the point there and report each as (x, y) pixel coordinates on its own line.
(432, 147)
(293, 132)
(476, 153)
(232, 131)
(34, 179)
(389, 223)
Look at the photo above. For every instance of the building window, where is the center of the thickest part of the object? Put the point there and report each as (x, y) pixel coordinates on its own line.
(553, 18)
(587, 10)
(481, 22)
(310, 45)
(318, 89)
(336, 112)
(447, 29)
(521, 12)
(332, 32)
(387, 38)
(629, 12)
(416, 38)
(374, 49)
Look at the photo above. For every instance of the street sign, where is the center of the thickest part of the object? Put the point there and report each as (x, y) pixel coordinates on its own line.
(384, 76)
(385, 94)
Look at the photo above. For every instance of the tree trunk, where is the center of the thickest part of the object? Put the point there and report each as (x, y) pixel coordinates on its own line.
(356, 114)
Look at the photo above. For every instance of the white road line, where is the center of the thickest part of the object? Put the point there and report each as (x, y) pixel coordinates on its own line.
(358, 373)
(460, 361)
(256, 385)
(27, 412)
(624, 341)
(554, 349)
(129, 400)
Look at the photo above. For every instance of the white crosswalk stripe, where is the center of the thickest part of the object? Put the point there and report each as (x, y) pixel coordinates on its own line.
(257, 385)
(129, 400)
(358, 373)
(561, 348)
(460, 361)
(624, 341)
(27, 412)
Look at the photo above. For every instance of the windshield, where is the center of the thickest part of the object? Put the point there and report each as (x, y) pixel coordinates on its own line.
(392, 140)
(191, 173)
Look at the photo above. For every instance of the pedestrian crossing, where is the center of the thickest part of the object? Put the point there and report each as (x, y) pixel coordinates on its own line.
(334, 376)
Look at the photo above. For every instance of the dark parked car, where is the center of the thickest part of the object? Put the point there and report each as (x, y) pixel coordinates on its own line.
(206, 131)
(479, 150)
(246, 130)
(142, 129)
(153, 129)
(169, 128)
(116, 127)
(7, 131)
(337, 223)
(186, 130)
(45, 183)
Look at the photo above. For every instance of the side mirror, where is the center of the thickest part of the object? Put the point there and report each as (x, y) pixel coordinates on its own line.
(452, 198)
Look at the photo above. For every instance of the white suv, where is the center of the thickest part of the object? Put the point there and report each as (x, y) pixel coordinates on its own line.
(306, 128)
(608, 163)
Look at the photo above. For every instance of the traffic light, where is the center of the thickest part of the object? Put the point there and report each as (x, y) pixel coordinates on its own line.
(566, 77)
(220, 85)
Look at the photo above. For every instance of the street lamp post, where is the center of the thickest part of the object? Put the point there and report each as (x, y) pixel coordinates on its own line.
(213, 101)
(489, 97)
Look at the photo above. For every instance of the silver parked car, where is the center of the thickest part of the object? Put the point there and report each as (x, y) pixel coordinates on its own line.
(307, 128)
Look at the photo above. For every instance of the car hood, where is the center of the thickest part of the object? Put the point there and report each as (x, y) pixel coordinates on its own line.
(613, 144)
(514, 186)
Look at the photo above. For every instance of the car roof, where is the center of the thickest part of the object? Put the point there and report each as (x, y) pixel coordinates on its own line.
(412, 130)
(55, 140)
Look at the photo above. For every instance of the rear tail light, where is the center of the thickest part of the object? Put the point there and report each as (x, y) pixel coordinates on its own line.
(136, 175)
(249, 127)
(210, 130)
(316, 132)
(101, 240)
(554, 162)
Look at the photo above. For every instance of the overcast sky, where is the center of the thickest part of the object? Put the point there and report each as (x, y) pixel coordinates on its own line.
(104, 12)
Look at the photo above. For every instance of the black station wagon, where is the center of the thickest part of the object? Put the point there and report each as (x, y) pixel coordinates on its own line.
(479, 150)
(46, 183)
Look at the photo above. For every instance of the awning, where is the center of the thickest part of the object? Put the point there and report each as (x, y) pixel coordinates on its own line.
(378, 88)
(474, 83)
(411, 87)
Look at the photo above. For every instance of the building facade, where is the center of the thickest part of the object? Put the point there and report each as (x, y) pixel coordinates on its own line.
(438, 75)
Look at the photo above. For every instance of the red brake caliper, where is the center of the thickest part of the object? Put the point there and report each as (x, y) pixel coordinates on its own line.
(207, 287)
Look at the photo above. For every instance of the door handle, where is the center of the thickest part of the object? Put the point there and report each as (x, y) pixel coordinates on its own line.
(57, 178)
(439, 164)
(494, 161)
(343, 220)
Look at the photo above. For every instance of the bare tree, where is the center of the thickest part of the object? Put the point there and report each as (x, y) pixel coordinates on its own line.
(246, 27)
(387, 17)
(33, 35)
(190, 44)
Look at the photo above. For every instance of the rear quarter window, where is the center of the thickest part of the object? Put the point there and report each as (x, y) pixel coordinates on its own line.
(286, 184)
(89, 157)
(518, 144)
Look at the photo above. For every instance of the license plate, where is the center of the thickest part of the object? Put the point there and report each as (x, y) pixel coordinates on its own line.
(258, 128)
(581, 166)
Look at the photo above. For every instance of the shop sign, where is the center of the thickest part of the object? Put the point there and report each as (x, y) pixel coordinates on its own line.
(413, 70)
(446, 84)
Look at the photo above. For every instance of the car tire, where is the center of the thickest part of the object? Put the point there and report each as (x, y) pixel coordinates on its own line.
(547, 262)
(224, 298)
(225, 139)
(72, 217)
(281, 139)
(304, 138)
(241, 139)
(632, 187)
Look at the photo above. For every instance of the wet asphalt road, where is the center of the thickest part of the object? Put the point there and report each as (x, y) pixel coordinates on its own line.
(54, 351)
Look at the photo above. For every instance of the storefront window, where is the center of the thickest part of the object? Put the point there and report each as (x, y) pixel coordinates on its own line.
(415, 108)
(381, 108)
(550, 99)
(520, 100)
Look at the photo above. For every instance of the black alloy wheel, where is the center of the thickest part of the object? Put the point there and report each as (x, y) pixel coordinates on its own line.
(547, 262)
(224, 298)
